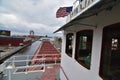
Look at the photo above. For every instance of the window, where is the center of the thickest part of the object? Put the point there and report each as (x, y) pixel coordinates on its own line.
(69, 44)
(114, 44)
(110, 56)
(83, 47)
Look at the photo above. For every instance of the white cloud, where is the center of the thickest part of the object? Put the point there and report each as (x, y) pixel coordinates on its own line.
(21, 16)
(7, 16)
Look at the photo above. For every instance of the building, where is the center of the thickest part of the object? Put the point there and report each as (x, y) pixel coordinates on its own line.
(7, 40)
(5, 32)
(91, 41)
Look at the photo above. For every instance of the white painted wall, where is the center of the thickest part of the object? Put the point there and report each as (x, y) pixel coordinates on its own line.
(72, 68)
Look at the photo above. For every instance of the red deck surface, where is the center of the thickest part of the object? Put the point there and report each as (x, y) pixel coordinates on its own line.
(50, 54)
(50, 73)
(47, 51)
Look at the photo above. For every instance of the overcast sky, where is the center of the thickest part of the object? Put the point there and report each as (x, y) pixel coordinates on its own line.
(21, 16)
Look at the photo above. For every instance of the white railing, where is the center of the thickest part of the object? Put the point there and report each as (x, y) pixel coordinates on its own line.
(24, 64)
(14, 66)
(25, 61)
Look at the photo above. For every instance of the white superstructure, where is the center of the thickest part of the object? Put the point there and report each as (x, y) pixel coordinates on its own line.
(91, 42)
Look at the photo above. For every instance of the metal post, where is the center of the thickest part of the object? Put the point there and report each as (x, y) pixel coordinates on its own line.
(9, 75)
(55, 59)
(9, 72)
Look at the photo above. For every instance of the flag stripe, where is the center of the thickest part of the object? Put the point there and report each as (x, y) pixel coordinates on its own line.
(63, 11)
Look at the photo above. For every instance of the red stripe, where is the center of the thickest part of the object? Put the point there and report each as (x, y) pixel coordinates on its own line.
(61, 12)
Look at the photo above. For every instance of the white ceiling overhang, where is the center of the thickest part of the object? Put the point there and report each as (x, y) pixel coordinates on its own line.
(94, 10)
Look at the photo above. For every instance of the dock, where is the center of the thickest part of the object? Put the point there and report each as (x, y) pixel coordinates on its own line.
(6, 52)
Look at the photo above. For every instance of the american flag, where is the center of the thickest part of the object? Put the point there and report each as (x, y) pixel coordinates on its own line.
(63, 11)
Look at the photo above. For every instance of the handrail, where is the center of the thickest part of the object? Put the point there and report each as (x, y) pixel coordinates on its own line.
(37, 55)
(42, 58)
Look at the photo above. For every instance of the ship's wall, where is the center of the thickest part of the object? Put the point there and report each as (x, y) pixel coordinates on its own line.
(72, 68)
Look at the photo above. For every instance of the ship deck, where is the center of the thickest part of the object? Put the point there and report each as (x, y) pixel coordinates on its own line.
(43, 65)
(50, 54)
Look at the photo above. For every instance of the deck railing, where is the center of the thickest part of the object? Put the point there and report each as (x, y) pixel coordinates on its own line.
(24, 64)
(30, 61)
